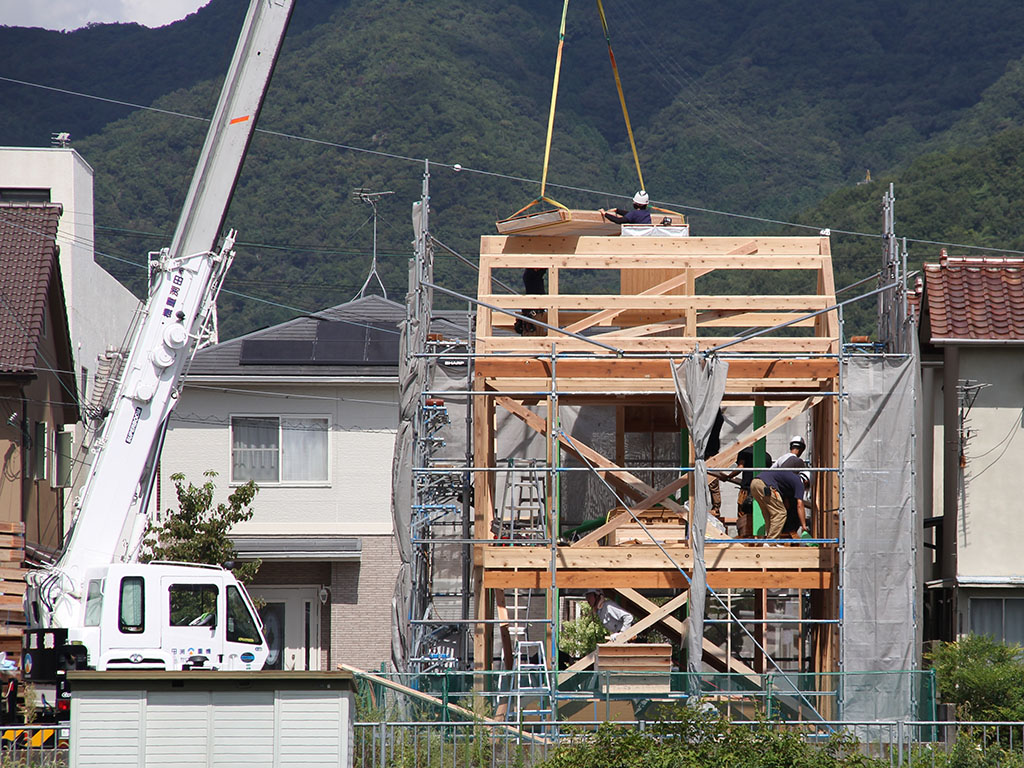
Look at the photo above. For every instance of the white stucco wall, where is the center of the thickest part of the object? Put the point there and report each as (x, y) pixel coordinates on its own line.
(357, 498)
(100, 309)
(990, 524)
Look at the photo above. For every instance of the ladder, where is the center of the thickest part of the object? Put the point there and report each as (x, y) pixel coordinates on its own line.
(530, 695)
(522, 506)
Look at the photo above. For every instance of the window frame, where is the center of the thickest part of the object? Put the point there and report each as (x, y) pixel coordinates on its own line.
(131, 629)
(40, 451)
(198, 588)
(972, 601)
(281, 418)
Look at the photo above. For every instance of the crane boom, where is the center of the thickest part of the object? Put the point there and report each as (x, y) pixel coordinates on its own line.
(178, 316)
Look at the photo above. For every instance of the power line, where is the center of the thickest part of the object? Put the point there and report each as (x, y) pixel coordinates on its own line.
(456, 167)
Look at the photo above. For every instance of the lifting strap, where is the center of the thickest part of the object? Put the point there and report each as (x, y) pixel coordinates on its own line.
(551, 115)
(554, 98)
(618, 86)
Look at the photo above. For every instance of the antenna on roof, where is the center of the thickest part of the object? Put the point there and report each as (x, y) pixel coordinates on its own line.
(371, 198)
(61, 139)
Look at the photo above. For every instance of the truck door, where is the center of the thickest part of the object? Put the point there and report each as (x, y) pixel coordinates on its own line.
(192, 621)
(131, 617)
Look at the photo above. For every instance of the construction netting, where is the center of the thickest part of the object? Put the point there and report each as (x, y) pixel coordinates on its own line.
(880, 574)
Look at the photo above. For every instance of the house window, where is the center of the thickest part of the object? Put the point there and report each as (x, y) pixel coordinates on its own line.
(285, 449)
(63, 459)
(40, 437)
(1001, 618)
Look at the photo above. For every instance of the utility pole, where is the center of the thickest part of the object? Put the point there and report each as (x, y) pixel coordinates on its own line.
(891, 303)
(371, 198)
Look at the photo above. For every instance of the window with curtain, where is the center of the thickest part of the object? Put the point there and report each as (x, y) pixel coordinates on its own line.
(998, 617)
(279, 449)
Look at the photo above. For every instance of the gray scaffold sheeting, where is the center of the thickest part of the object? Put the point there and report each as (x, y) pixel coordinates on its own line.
(880, 578)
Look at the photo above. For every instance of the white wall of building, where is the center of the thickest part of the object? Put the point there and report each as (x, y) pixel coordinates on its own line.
(356, 500)
(990, 524)
(100, 309)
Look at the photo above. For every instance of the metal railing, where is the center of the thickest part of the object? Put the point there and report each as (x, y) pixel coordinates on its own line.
(910, 744)
(28, 746)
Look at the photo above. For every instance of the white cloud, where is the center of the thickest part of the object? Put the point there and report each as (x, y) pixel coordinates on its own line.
(72, 14)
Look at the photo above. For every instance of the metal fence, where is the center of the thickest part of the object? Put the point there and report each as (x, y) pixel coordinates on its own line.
(27, 746)
(913, 744)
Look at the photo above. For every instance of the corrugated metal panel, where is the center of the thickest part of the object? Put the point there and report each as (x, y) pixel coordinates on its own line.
(312, 728)
(243, 729)
(108, 732)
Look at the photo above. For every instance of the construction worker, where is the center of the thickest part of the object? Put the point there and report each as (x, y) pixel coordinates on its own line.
(744, 502)
(775, 490)
(612, 616)
(793, 459)
(639, 214)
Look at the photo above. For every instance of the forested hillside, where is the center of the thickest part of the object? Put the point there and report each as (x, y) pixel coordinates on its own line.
(770, 111)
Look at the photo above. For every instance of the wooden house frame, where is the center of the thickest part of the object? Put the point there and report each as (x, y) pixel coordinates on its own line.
(661, 313)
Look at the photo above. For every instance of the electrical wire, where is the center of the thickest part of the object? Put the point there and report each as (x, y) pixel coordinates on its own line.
(460, 168)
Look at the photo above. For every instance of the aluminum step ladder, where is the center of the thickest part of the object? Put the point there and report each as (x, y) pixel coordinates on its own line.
(522, 512)
(530, 695)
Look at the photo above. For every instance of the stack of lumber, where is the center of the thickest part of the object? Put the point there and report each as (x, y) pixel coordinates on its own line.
(645, 668)
(666, 525)
(12, 588)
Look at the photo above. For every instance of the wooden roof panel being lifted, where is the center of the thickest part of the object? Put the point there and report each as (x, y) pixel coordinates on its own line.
(564, 222)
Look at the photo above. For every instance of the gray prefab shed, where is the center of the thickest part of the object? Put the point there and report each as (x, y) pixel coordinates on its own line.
(222, 719)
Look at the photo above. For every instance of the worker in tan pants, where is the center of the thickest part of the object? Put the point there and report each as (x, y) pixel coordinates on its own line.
(771, 490)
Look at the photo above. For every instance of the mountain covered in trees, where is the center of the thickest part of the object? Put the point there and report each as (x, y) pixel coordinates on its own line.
(750, 117)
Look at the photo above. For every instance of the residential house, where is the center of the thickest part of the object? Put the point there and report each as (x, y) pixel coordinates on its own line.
(99, 308)
(972, 351)
(38, 401)
(308, 409)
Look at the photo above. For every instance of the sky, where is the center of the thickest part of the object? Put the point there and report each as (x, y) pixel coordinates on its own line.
(72, 14)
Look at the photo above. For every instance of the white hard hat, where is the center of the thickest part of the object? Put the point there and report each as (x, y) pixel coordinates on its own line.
(640, 198)
(797, 440)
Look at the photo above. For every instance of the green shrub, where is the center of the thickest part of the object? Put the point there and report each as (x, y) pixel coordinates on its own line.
(982, 677)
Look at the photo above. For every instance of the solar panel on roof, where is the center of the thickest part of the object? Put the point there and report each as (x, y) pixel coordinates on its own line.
(275, 352)
(337, 343)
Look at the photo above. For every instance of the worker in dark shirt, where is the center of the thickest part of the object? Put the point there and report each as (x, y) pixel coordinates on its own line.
(744, 502)
(775, 490)
(533, 284)
(639, 214)
(714, 446)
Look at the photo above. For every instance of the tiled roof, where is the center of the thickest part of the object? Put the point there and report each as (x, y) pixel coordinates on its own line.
(975, 298)
(225, 359)
(28, 262)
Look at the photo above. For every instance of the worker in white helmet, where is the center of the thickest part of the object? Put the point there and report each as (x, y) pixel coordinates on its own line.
(612, 615)
(639, 214)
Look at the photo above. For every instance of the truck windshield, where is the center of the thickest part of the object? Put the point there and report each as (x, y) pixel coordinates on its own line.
(241, 625)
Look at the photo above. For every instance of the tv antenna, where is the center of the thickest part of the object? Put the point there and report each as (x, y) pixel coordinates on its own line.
(371, 199)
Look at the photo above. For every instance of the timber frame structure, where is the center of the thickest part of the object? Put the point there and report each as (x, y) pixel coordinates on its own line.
(617, 350)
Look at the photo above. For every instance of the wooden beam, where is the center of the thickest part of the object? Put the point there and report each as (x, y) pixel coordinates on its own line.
(603, 301)
(720, 460)
(647, 557)
(506, 247)
(666, 345)
(630, 482)
(610, 368)
(653, 579)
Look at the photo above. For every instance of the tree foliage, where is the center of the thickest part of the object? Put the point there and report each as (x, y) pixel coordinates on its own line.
(764, 110)
(982, 677)
(582, 635)
(198, 531)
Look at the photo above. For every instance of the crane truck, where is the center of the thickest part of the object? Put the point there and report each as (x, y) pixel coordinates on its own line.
(98, 607)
